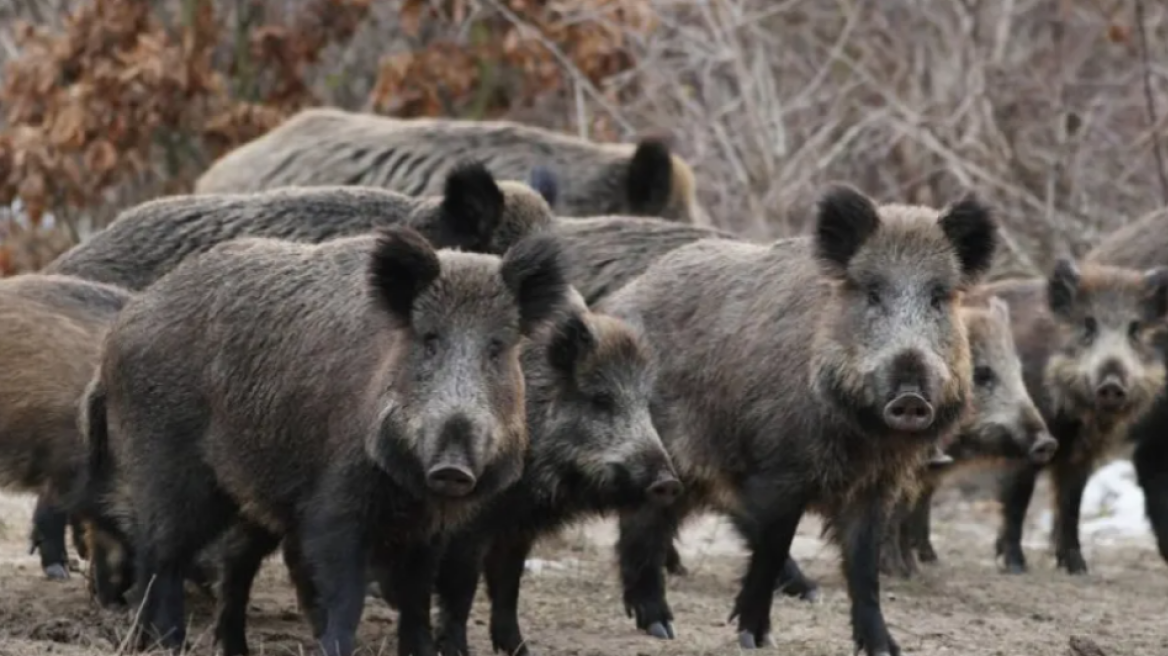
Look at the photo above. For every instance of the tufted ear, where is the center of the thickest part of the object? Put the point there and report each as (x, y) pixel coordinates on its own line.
(970, 226)
(535, 270)
(1156, 293)
(570, 341)
(472, 203)
(650, 178)
(403, 264)
(845, 219)
(1062, 287)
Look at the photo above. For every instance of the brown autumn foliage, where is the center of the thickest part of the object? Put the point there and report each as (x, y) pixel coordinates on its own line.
(1053, 110)
(123, 91)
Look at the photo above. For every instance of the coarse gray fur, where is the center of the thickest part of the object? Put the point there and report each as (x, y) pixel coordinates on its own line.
(609, 251)
(474, 213)
(329, 146)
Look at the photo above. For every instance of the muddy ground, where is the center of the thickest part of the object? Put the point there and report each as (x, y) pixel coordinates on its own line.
(571, 601)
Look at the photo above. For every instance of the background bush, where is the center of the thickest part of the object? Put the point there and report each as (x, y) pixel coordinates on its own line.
(1053, 110)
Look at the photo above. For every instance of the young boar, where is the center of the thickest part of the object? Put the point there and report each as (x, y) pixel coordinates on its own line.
(593, 449)
(474, 214)
(868, 308)
(1085, 336)
(1004, 424)
(353, 398)
(328, 146)
(1141, 245)
(51, 329)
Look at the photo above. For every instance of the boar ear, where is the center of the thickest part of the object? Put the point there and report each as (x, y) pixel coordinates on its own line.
(571, 340)
(970, 226)
(846, 218)
(1062, 286)
(650, 177)
(1156, 293)
(472, 204)
(535, 270)
(545, 183)
(402, 266)
(999, 308)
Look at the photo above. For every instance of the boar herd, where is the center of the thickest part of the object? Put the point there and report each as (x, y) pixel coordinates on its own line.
(401, 352)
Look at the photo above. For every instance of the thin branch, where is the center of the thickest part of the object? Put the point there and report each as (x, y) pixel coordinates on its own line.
(1151, 100)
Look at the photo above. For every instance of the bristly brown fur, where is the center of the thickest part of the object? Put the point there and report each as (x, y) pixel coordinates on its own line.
(327, 146)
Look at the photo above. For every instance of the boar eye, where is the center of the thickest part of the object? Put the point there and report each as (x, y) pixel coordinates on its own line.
(1133, 329)
(430, 344)
(873, 292)
(603, 401)
(1090, 327)
(495, 349)
(983, 376)
(938, 296)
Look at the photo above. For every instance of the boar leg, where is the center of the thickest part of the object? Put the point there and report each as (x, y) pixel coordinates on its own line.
(1017, 488)
(769, 531)
(673, 563)
(860, 530)
(1070, 479)
(455, 585)
(335, 556)
(244, 551)
(49, 522)
(645, 536)
(794, 583)
(504, 570)
(163, 609)
(920, 529)
(893, 559)
(77, 530)
(1151, 463)
(410, 571)
(306, 594)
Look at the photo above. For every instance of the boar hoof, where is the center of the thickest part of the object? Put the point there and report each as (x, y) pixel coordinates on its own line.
(1072, 560)
(746, 640)
(56, 572)
(662, 630)
(926, 554)
(373, 590)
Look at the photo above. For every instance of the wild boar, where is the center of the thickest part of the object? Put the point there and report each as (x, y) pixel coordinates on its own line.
(474, 213)
(868, 308)
(1004, 424)
(1086, 338)
(328, 146)
(353, 398)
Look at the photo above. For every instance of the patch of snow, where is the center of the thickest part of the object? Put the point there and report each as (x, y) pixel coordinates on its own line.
(1112, 508)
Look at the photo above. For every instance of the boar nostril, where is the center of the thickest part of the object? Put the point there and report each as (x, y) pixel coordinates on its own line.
(908, 412)
(1043, 450)
(665, 491)
(450, 480)
(1111, 393)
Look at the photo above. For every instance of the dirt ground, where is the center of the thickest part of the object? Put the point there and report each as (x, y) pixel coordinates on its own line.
(571, 601)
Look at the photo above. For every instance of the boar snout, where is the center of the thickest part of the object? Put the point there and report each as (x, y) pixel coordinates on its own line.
(909, 411)
(665, 489)
(451, 471)
(1111, 393)
(1043, 449)
(450, 480)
